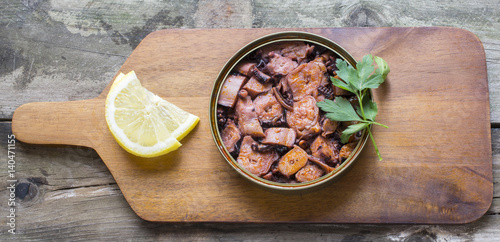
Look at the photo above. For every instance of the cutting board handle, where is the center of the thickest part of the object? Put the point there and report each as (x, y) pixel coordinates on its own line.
(70, 123)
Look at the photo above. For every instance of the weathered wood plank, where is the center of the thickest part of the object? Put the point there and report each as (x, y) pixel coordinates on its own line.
(76, 198)
(54, 50)
(96, 37)
(434, 182)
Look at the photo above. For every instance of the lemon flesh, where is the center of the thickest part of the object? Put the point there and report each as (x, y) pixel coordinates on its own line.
(143, 123)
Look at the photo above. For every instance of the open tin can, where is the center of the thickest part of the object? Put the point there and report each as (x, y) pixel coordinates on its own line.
(225, 72)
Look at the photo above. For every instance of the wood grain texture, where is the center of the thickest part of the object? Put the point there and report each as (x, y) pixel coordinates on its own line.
(76, 198)
(447, 167)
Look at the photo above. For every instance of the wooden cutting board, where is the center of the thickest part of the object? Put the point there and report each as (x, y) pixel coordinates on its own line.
(437, 165)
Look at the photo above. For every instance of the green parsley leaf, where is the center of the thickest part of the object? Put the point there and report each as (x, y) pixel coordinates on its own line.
(339, 110)
(357, 81)
(369, 108)
(383, 68)
(365, 68)
(342, 84)
(346, 73)
(352, 129)
(373, 81)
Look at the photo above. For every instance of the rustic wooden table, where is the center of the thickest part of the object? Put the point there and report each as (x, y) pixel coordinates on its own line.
(69, 50)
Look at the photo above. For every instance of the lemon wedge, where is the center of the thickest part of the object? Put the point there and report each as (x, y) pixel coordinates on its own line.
(143, 123)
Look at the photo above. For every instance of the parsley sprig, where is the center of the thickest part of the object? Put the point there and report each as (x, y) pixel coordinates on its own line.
(358, 81)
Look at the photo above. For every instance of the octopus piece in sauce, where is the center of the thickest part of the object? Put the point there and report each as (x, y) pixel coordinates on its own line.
(304, 118)
(230, 135)
(292, 161)
(248, 121)
(320, 163)
(308, 173)
(279, 136)
(286, 103)
(230, 89)
(329, 126)
(346, 151)
(245, 68)
(261, 76)
(295, 50)
(326, 91)
(221, 116)
(298, 51)
(279, 65)
(268, 109)
(325, 149)
(305, 79)
(258, 163)
(254, 87)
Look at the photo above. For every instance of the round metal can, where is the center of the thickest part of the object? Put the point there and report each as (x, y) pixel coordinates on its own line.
(226, 70)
